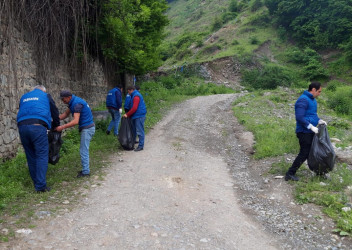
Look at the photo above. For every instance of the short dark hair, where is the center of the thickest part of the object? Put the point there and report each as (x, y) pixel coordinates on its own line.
(137, 87)
(65, 93)
(314, 85)
(131, 87)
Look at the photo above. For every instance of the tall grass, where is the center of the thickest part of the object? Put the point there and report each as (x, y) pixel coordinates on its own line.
(270, 118)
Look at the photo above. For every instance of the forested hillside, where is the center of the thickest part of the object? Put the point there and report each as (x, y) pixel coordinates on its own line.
(276, 42)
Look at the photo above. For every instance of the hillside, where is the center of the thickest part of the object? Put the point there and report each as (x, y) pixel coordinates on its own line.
(201, 31)
(207, 30)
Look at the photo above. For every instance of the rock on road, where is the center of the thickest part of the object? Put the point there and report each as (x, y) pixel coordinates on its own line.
(177, 193)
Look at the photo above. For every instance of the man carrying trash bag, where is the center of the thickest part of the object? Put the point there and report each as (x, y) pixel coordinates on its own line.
(307, 121)
(37, 113)
(321, 159)
(137, 113)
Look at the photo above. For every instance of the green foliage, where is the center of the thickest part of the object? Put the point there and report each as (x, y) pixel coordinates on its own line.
(253, 40)
(260, 18)
(333, 85)
(333, 25)
(331, 196)
(340, 100)
(272, 136)
(210, 49)
(228, 16)
(233, 6)
(254, 5)
(181, 54)
(314, 70)
(170, 82)
(235, 42)
(267, 77)
(347, 48)
(130, 32)
(299, 56)
(216, 24)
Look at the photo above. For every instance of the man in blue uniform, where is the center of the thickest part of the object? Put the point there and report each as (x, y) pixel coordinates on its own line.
(128, 101)
(114, 106)
(82, 115)
(137, 113)
(37, 114)
(307, 121)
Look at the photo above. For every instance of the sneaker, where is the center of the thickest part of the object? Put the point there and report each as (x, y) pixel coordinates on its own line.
(107, 132)
(46, 189)
(138, 149)
(80, 174)
(291, 177)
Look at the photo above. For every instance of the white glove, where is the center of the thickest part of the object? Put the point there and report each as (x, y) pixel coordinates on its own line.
(322, 122)
(314, 129)
(120, 110)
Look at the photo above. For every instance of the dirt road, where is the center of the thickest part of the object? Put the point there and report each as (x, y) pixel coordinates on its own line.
(178, 193)
(194, 186)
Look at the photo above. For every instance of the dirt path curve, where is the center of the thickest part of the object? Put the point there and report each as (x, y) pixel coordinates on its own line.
(178, 193)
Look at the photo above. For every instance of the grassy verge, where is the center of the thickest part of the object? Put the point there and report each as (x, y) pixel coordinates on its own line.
(270, 116)
(20, 206)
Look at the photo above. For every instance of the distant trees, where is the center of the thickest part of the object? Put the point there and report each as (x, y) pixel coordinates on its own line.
(318, 23)
(131, 31)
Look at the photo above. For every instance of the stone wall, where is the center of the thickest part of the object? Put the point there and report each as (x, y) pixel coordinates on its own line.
(18, 75)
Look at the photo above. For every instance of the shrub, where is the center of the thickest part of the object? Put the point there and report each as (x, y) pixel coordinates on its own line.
(295, 55)
(347, 48)
(228, 16)
(315, 70)
(332, 86)
(211, 49)
(253, 40)
(268, 77)
(235, 42)
(170, 82)
(233, 6)
(181, 54)
(261, 19)
(217, 24)
(341, 100)
(254, 5)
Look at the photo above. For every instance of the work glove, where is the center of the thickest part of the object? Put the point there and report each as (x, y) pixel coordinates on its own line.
(120, 111)
(314, 129)
(322, 122)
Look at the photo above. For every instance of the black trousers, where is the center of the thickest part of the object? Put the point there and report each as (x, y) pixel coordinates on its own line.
(305, 143)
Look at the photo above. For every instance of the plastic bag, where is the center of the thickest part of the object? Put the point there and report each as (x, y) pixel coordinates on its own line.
(125, 134)
(55, 143)
(322, 156)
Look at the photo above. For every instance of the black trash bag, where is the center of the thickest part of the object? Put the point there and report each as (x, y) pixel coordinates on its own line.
(125, 134)
(321, 159)
(55, 143)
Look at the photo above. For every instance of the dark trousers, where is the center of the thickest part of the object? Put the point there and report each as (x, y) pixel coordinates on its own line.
(305, 143)
(35, 142)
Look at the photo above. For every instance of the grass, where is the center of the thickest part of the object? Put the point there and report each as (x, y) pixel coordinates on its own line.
(271, 120)
(270, 116)
(18, 200)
